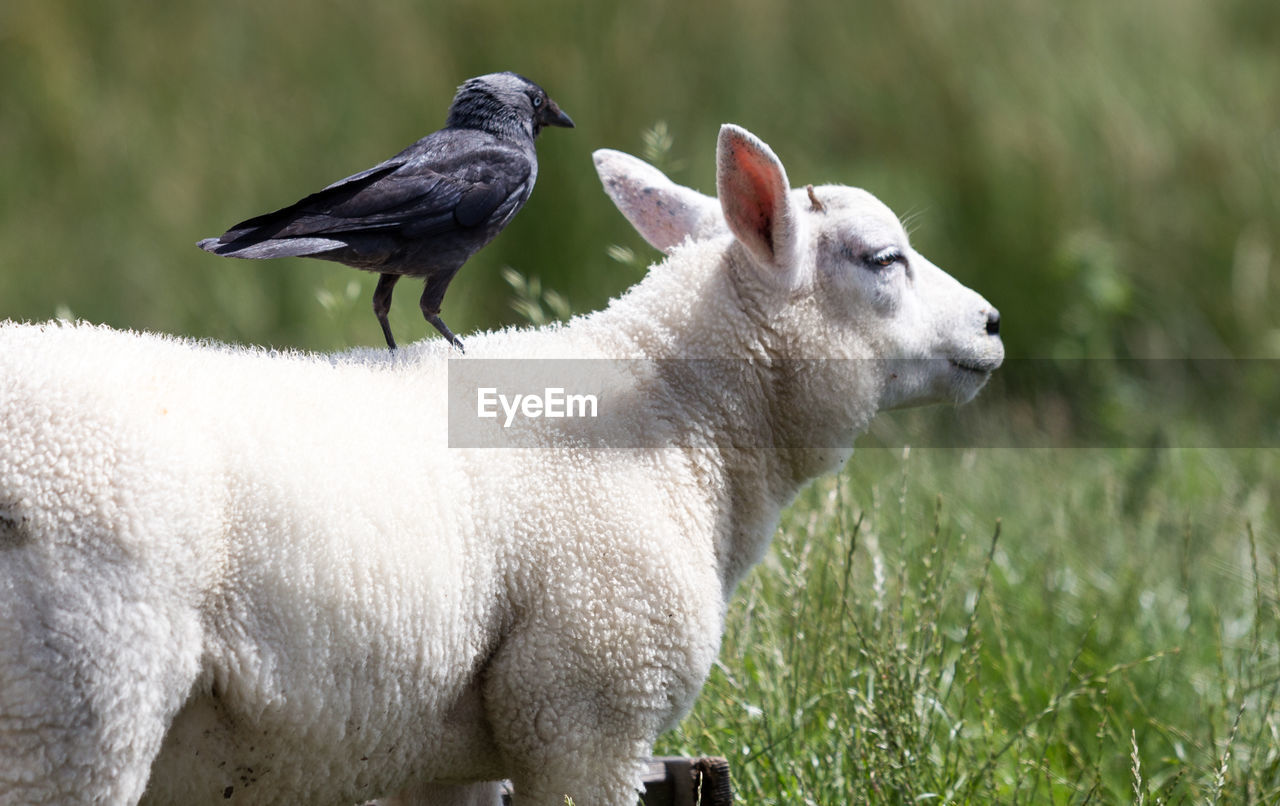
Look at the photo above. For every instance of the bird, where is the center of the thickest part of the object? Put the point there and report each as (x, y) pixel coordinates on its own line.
(425, 211)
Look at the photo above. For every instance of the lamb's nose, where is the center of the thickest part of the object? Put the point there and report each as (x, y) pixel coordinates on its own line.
(993, 322)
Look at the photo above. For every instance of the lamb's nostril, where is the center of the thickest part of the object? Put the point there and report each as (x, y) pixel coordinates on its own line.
(993, 323)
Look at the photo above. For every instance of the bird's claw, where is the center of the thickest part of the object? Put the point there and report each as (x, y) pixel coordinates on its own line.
(438, 324)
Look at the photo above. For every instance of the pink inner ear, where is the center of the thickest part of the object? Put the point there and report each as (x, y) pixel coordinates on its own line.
(755, 201)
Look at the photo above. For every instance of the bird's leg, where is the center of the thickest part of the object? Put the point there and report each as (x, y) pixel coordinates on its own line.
(434, 319)
(432, 296)
(382, 304)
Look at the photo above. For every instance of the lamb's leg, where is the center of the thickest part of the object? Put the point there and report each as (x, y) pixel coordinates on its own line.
(382, 305)
(485, 794)
(88, 683)
(566, 728)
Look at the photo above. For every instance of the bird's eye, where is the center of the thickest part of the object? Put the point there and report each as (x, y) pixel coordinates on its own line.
(885, 258)
(537, 101)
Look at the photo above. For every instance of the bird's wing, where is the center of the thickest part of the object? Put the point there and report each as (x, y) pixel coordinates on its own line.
(418, 197)
(269, 225)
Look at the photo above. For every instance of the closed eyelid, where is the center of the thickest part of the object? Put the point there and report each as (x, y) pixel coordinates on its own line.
(875, 258)
(885, 256)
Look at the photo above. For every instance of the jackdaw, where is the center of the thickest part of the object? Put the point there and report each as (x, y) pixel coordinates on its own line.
(426, 210)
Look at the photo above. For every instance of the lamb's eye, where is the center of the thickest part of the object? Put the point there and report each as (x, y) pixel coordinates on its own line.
(885, 257)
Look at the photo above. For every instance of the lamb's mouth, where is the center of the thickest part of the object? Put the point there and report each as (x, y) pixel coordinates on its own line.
(974, 365)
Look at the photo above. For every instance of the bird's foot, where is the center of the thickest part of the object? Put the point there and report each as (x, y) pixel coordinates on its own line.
(438, 323)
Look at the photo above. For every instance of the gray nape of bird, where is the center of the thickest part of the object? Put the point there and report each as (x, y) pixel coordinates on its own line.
(427, 210)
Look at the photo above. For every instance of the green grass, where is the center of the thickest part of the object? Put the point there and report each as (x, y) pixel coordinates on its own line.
(1010, 626)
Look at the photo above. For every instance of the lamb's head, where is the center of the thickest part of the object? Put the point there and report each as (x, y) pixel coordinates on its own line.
(829, 273)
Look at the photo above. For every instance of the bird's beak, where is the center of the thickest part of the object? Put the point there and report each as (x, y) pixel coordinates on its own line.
(551, 115)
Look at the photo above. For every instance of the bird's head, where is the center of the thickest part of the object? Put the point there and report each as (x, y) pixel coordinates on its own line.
(504, 104)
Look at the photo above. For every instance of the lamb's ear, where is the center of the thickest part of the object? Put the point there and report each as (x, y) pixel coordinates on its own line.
(664, 213)
(756, 198)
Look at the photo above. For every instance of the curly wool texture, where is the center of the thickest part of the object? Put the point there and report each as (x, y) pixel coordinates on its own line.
(237, 575)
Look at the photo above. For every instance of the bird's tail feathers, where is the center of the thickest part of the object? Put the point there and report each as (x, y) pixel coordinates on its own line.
(261, 250)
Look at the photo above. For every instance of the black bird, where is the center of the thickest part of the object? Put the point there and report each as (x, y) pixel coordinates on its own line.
(425, 211)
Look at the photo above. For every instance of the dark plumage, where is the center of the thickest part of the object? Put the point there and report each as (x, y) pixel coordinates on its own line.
(425, 211)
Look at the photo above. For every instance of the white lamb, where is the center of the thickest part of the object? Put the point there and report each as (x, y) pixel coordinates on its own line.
(229, 574)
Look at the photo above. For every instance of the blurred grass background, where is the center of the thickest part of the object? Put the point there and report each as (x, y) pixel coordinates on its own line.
(1107, 173)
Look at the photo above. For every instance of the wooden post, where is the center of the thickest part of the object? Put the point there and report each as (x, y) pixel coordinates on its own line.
(714, 788)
